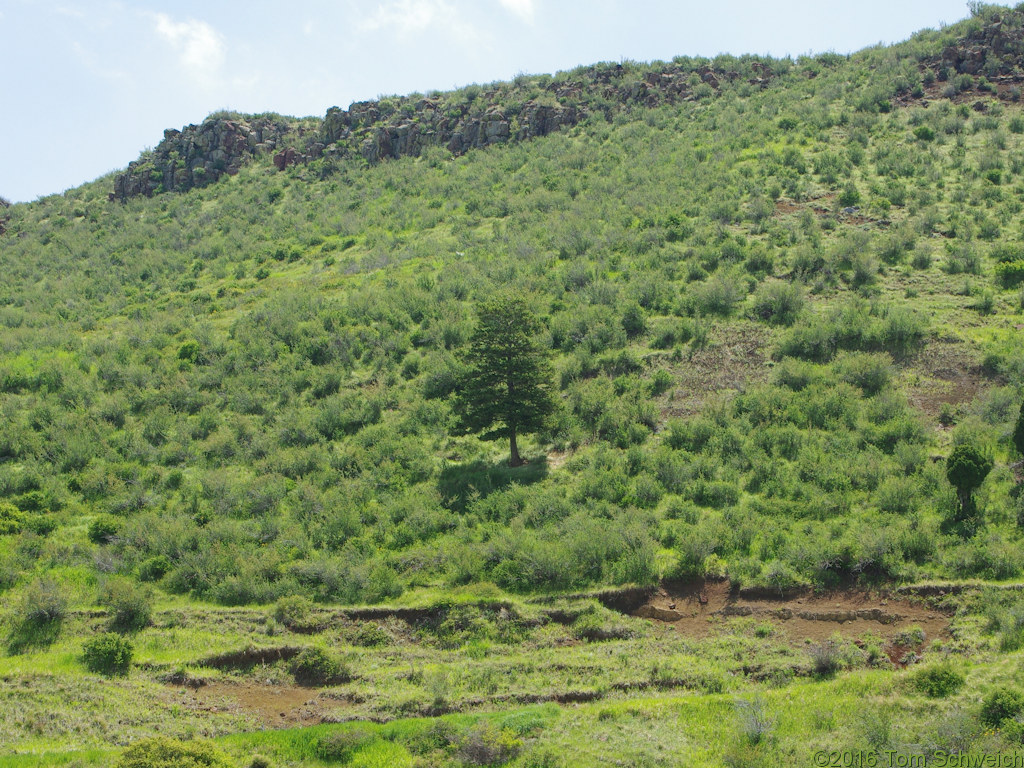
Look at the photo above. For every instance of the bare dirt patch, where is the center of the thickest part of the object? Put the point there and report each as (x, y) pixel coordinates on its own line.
(703, 609)
(273, 706)
(946, 373)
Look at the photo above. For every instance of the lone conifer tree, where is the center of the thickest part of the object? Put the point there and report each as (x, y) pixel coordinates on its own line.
(966, 469)
(506, 391)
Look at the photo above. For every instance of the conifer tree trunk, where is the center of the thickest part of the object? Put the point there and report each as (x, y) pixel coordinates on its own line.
(513, 449)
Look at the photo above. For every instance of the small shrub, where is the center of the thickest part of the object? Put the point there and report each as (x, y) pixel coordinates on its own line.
(340, 746)
(108, 654)
(154, 569)
(826, 658)
(1001, 704)
(11, 519)
(130, 605)
(162, 752)
(938, 680)
(485, 744)
(103, 528)
(293, 611)
(318, 666)
(370, 635)
(754, 722)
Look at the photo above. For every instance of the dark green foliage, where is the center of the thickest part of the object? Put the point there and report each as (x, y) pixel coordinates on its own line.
(938, 681)
(506, 391)
(1001, 704)
(154, 568)
(162, 752)
(966, 469)
(778, 303)
(1018, 432)
(103, 529)
(108, 654)
(11, 519)
(36, 619)
(318, 666)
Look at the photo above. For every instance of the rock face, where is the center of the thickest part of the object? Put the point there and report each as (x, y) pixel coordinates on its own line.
(396, 127)
(993, 47)
(198, 155)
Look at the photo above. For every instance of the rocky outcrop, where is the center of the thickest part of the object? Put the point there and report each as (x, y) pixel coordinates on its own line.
(459, 121)
(992, 48)
(392, 128)
(198, 155)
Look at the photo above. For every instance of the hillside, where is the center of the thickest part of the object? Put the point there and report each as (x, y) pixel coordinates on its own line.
(777, 295)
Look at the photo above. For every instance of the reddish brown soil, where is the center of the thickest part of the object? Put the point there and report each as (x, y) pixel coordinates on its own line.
(273, 706)
(703, 610)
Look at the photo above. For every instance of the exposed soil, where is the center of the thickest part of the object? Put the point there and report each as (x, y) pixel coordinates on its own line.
(273, 706)
(703, 609)
(947, 374)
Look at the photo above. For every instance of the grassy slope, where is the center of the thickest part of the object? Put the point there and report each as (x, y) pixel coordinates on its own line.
(250, 380)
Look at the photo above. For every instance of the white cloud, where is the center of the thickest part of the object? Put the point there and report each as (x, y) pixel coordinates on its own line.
(199, 46)
(413, 17)
(522, 8)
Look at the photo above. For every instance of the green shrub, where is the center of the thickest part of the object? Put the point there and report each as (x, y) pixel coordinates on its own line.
(130, 604)
(154, 568)
(11, 519)
(103, 529)
(1001, 704)
(370, 635)
(108, 654)
(293, 611)
(162, 752)
(938, 680)
(1010, 274)
(778, 303)
(485, 744)
(318, 666)
(869, 371)
(340, 746)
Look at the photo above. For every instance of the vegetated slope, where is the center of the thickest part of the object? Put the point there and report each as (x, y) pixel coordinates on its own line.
(772, 306)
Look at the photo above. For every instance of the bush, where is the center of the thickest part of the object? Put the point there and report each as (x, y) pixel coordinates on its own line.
(108, 654)
(130, 605)
(162, 752)
(43, 604)
(154, 569)
(754, 721)
(103, 528)
(1010, 274)
(340, 746)
(826, 658)
(1001, 704)
(869, 371)
(11, 519)
(318, 666)
(293, 611)
(778, 303)
(485, 744)
(938, 680)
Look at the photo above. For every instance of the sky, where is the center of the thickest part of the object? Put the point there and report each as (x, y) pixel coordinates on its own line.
(89, 84)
